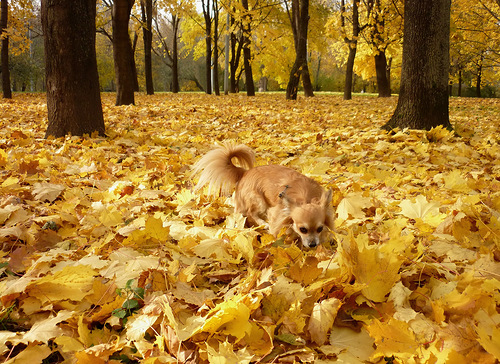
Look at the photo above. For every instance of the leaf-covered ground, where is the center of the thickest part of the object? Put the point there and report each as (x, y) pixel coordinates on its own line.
(107, 254)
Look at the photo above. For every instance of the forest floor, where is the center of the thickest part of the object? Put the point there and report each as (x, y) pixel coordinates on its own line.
(108, 255)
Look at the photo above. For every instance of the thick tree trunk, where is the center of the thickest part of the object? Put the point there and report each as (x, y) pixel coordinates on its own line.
(384, 86)
(123, 54)
(73, 98)
(423, 98)
(147, 34)
(299, 20)
(4, 13)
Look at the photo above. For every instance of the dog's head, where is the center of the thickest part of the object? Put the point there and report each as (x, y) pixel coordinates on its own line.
(312, 221)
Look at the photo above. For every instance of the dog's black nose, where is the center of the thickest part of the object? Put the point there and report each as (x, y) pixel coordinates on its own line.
(312, 244)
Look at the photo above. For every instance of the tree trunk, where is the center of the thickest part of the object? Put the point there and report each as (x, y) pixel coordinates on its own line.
(215, 69)
(460, 82)
(208, 44)
(423, 98)
(4, 13)
(352, 43)
(299, 20)
(73, 98)
(479, 76)
(247, 56)
(349, 73)
(384, 87)
(236, 48)
(147, 34)
(123, 54)
(175, 56)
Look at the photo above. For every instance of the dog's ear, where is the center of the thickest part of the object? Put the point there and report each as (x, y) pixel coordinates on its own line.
(326, 198)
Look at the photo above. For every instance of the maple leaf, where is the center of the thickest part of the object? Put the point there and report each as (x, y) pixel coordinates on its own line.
(32, 354)
(392, 338)
(322, 318)
(306, 272)
(418, 209)
(47, 191)
(70, 283)
(358, 344)
(230, 317)
(352, 206)
(45, 330)
(375, 271)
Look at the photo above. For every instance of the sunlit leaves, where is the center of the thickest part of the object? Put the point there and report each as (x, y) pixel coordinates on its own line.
(107, 253)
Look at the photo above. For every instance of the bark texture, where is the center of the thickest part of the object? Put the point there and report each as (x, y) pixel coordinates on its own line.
(423, 98)
(300, 21)
(147, 35)
(123, 53)
(73, 95)
(4, 13)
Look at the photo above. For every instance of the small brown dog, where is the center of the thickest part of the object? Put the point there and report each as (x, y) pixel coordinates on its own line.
(275, 193)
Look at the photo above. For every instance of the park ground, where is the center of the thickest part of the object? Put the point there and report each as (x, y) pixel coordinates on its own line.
(107, 252)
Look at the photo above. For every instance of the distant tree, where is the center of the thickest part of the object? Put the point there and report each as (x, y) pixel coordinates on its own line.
(352, 39)
(73, 98)
(423, 97)
(147, 32)
(215, 53)
(299, 19)
(207, 15)
(4, 13)
(123, 53)
(379, 41)
(245, 41)
(168, 53)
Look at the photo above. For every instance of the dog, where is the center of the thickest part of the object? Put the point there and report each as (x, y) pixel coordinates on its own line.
(274, 196)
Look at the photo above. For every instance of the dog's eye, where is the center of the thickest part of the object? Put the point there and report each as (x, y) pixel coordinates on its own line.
(320, 229)
(303, 230)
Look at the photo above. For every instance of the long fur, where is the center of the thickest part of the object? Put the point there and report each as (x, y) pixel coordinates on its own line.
(274, 196)
(218, 171)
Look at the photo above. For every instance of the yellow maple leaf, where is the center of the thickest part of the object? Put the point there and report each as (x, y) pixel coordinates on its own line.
(306, 272)
(455, 182)
(225, 353)
(32, 354)
(418, 209)
(71, 283)
(47, 191)
(47, 329)
(243, 245)
(488, 331)
(156, 230)
(322, 318)
(137, 326)
(352, 205)
(373, 269)
(230, 317)
(392, 337)
(68, 344)
(359, 344)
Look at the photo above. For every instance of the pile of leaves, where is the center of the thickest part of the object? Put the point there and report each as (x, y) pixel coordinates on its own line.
(108, 255)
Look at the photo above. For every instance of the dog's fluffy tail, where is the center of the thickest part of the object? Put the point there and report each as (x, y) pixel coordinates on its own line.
(221, 168)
